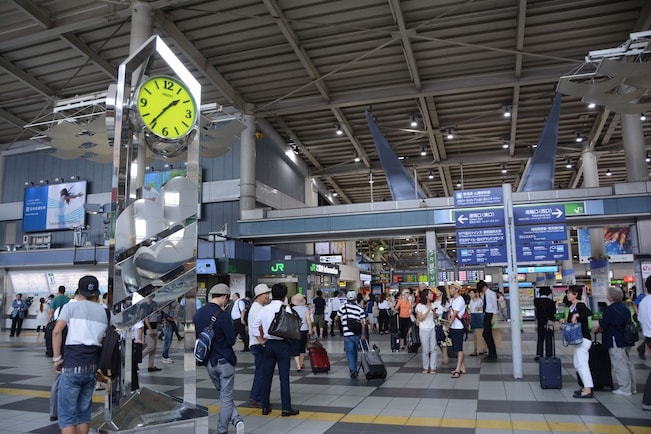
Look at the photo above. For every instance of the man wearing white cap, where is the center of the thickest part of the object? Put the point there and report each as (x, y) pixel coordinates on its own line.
(352, 320)
(262, 293)
(221, 364)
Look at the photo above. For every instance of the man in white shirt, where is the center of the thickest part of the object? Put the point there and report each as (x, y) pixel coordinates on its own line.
(262, 295)
(237, 315)
(490, 310)
(277, 351)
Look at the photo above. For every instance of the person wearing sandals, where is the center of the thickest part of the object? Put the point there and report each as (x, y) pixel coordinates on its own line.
(298, 347)
(441, 307)
(456, 329)
(580, 313)
(426, 324)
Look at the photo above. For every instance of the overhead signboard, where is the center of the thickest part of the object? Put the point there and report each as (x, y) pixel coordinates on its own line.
(539, 214)
(479, 218)
(574, 208)
(331, 259)
(482, 197)
(551, 232)
(537, 252)
(481, 236)
(481, 255)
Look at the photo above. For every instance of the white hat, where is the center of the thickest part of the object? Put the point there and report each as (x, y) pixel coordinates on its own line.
(220, 289)
(261, 288)
(351, 295)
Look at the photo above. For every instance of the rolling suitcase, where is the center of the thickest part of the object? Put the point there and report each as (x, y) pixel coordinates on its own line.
(550, 370)
(394, 335)
(318, 357)
(600, 366)
(371, 362)
(413, 339)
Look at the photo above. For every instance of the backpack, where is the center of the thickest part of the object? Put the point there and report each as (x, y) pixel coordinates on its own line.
(108, 359)
(204, 341)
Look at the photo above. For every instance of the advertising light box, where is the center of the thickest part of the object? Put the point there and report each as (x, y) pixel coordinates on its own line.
(54, 207)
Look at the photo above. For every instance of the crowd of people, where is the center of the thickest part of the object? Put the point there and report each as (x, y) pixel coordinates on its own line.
(441, 316)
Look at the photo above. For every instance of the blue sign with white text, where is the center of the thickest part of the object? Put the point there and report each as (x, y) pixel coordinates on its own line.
(530, 234)
(481, 255)
(482, 236)
(539, 214)
(479, 218)
(542, 252)
(483, 197)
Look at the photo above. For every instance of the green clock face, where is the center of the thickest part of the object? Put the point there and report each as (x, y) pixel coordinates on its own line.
(166, 107)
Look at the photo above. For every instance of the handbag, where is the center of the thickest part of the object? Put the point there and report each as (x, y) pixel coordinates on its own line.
(440, 333)
(572, 334)
(286, 325)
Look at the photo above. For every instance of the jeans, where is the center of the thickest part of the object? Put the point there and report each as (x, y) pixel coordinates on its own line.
(167, 341)
(257, 386)
(581, 362)
(222, 375)
(74, 397)
(351, 343)
(276, 352)
(16, 325)
(428, 342)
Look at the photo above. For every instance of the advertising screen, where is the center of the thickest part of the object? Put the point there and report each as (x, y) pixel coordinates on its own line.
(53, 207)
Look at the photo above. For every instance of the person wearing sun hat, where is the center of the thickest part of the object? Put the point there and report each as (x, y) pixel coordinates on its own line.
(87, 321)
(299, 304)
(262, 295)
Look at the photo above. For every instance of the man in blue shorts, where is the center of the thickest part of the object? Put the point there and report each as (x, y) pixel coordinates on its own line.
(87, 322)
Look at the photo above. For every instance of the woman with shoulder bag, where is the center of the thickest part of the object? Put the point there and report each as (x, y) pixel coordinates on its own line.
(441, 306)
(579, 313)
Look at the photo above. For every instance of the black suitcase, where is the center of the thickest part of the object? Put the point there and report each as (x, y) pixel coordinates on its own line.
(600, 366)
(371, 362)
(550, 370)
(413, 339)
(48, 338)
(395, 342)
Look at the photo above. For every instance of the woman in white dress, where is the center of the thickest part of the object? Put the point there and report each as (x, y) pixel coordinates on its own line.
(441, 306)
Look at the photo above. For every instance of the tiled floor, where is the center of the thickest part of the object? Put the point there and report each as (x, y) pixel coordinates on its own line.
(485, 400)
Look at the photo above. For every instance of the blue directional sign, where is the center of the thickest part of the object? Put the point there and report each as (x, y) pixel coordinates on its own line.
(481, 236)
(530, 234)
(542, 252)
(481, 255)
(479, 218)
(539, 214)
(483, 197)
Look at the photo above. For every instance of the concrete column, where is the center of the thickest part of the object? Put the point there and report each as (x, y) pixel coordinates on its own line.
(567, 271)
(247, 162)
(633, 137)
(350, 254)
(311, 193)
(598, 260)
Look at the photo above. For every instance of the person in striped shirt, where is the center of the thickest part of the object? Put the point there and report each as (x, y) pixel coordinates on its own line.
(353, 319)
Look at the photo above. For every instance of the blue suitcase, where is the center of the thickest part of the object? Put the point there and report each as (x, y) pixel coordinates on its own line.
(551, 376)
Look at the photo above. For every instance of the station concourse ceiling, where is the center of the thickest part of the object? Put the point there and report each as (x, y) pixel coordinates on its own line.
(307, 66)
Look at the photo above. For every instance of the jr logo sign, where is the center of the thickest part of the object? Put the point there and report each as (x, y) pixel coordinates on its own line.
(279, 267)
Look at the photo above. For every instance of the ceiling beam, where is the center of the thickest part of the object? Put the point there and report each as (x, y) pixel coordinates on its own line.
(26, 78)
(403, 35)
(204, 66)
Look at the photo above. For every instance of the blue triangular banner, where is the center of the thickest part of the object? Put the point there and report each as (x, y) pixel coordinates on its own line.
(539, 175)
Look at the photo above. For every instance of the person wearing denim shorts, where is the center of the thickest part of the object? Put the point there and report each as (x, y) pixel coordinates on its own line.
(87, 322)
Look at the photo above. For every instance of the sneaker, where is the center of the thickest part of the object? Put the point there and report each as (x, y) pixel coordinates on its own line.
(621, 392)
(239, 427)
(646, 407)
(353, 375)
(154, 369)
(167, 360)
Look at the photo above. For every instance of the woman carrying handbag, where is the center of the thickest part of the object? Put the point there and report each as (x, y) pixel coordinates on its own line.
(579, 313)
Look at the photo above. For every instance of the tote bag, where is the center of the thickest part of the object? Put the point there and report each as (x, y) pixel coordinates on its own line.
(572, 334)
(286, 325)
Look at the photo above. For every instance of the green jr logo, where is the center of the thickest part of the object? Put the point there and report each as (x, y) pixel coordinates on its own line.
(278, 267)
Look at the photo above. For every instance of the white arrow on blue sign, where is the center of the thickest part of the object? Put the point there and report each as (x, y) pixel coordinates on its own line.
(479, 218)
(539, 214)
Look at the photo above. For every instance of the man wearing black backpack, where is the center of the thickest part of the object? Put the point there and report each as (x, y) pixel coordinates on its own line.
(87, 322)
(222, 360)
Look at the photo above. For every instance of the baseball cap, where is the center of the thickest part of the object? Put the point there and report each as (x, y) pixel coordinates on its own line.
(220, 289)
(88, 287)
(351, 295)
(261, 288)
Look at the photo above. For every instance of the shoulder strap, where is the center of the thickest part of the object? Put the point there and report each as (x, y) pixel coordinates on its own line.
(213, 318)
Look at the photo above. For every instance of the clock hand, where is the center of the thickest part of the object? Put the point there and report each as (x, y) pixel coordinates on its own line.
(172, 104)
